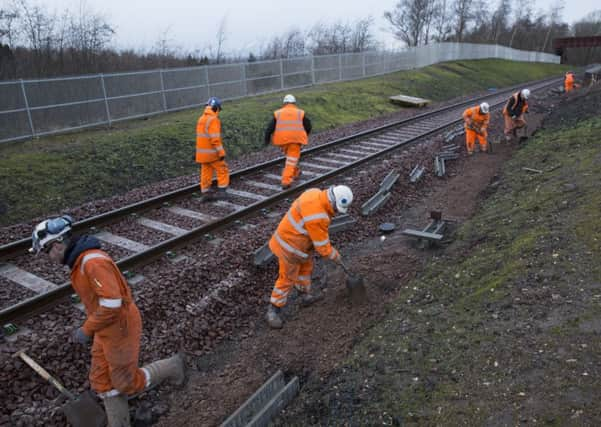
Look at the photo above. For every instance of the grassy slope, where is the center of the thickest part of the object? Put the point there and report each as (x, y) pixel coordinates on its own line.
(505, 328)
(47, 174)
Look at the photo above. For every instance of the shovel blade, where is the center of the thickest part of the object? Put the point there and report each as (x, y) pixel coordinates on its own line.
(356, 288)
(84, 412)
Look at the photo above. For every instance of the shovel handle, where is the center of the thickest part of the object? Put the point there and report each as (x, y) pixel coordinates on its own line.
(346, 270)
(44, 374)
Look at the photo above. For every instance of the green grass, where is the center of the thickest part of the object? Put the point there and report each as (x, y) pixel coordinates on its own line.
(46, 175)
(539, 232)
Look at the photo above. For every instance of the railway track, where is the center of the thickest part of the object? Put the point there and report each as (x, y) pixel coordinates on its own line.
(178, 217)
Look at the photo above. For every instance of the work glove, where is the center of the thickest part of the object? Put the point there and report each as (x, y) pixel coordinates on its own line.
(80, 337)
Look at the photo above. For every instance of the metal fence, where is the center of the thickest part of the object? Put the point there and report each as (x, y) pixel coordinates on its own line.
(30, 108)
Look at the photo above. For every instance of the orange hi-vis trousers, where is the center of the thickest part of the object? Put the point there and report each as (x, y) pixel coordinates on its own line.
(291, 169)
(470, 140)
(291, 274)
(513, 124)
(115, 352)
(219, 167)
(569, 86)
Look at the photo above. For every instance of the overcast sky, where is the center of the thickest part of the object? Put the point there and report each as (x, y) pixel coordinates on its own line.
(249, 24)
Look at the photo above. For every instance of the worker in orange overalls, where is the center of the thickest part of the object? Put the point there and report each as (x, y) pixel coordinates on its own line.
(209, 151)
(476, 121)
(513, 113)
(289, 129)
(113, 322)
(304, 228)
(568, 81)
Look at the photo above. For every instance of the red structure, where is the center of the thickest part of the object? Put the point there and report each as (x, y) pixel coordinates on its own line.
(561, 44)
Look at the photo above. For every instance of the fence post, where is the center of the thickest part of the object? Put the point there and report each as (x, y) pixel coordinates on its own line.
(163, 90)
(312, 70)
(106, 101)
(281, 73)
(27, 108)
(207, 80)
(363, 60)
(340, 66)
(244, 81)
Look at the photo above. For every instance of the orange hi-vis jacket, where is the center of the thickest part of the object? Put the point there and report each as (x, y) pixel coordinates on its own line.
(304, 227)
(289, 126)
(105, 294)
(209, 147)
(569, 79)
(512, 104)
(479, 120)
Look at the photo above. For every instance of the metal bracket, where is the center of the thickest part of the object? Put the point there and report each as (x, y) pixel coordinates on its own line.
(379, 199)
(416, 173)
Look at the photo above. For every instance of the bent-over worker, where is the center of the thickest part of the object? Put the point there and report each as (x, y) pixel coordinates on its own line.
(476, 122)
(513, 113)
(113, 323)
(303, 229)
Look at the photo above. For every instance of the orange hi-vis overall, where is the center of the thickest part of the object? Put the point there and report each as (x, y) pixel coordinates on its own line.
(303, 228)
(476, 124)
(511, 109)
(569, 82)
(114, 321)
(210, 152)
(290, 135)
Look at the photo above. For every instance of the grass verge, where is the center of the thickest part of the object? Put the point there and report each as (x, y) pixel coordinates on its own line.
(49, 174)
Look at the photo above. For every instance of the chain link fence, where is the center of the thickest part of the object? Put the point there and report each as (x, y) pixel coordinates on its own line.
(31, 108)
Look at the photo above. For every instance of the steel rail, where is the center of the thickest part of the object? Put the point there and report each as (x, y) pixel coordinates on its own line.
(107, 217)
(40, 302)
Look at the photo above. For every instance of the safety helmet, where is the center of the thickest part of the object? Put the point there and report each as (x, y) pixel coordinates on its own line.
(484, 108)
(341, 196)
(214, 103)
(525, 93)
(289, 99)
(50, 231)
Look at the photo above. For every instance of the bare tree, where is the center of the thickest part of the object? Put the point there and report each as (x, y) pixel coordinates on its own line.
(221, 37)
(441, 20)
(408, 20)
(362, 38)
(463, 15)
(554, 18)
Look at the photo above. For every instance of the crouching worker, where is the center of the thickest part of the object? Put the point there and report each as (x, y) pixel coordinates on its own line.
(113, 322)
(513, 113)
(304, 228)
(476, 121)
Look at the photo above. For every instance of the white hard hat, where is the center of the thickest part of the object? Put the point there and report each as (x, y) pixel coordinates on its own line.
(50, 231)
(484, 108)
(525, 93)
(341, 196)
(289, 99)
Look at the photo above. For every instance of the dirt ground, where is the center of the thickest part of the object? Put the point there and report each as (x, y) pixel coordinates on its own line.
(316, 342)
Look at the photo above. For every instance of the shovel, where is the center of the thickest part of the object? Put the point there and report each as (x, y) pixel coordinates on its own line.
(81, 411)
(354, 284)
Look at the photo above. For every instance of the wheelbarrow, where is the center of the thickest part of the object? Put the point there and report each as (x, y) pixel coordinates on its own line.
(354, 284)
(82, 410)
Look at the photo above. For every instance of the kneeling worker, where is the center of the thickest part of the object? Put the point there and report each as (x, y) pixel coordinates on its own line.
(209, 150)
(304, 228)
(513, 113)
(476, 121)
(113, 322)
(290, 128)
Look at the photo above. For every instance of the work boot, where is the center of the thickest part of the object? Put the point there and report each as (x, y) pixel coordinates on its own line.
(172, 369)
(221, 194)
(273, 317)
(206, 197)
(117, 411)
(286, 186)
(470, 153)
(309, 299)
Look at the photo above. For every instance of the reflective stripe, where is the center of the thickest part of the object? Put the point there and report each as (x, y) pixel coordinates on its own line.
(208, 135)
(207, 150)
(334, 254)
(297, 226)
(110, 303)
(321, 242)
(110, 393)
(278, 302)
(304, 277)
(280, 292)
(308, 218)
(219, 148)
(288, 247)
(88, 257)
